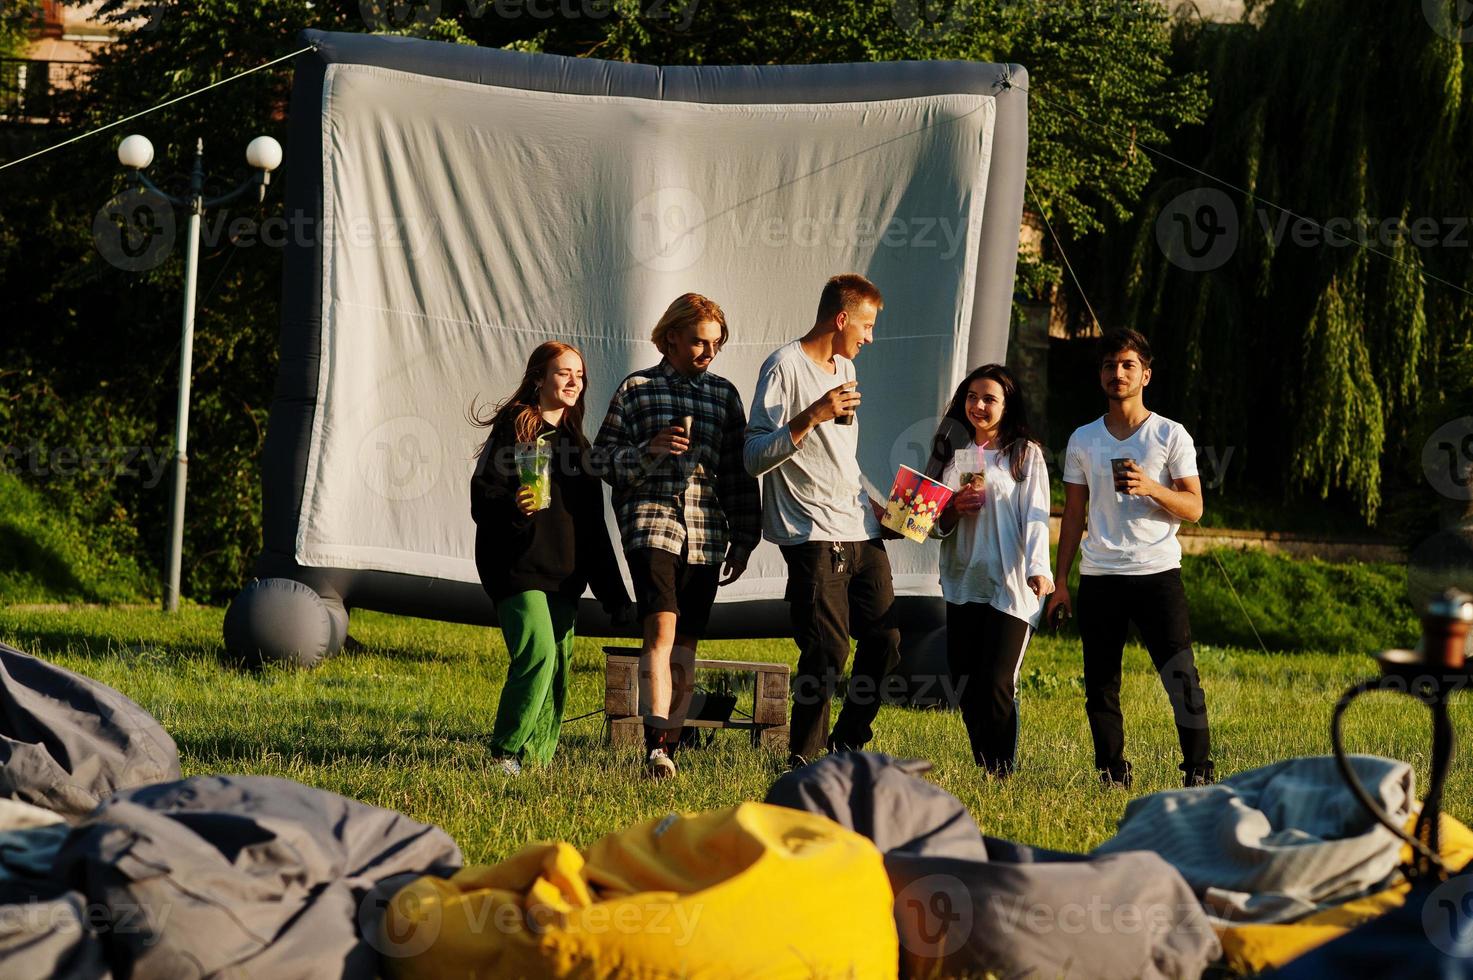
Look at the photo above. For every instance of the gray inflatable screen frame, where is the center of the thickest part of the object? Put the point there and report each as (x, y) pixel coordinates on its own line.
(285, 457)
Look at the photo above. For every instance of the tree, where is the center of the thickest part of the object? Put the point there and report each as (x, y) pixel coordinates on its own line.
(1323, 346)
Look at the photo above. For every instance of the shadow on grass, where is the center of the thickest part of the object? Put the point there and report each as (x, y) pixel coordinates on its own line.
(327, 745)
(396, 738)
(42, 641)
(400, 654)
(56, 636)
(45, 568)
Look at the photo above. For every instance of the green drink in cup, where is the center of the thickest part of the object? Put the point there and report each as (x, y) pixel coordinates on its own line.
(534, 471)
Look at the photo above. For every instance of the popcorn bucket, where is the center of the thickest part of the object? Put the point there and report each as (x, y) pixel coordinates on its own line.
(915, 502)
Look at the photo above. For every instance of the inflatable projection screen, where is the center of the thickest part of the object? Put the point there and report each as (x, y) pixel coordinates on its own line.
(470, 203)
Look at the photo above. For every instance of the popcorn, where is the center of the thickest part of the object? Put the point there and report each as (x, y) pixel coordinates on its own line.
(914, 503)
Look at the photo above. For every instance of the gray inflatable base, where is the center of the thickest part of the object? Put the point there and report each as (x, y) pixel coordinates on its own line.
(282, 621)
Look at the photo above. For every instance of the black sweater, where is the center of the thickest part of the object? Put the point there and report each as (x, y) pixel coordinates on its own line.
(561, 549)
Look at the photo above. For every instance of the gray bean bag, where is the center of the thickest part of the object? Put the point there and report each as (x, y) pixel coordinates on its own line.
(43, 925)
(966, 905)
(243, 876)
(68, 742)
(44, 932)
(1277, 843)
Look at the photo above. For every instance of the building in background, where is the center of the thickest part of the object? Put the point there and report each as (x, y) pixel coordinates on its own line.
(1212, 11)
(63, 40)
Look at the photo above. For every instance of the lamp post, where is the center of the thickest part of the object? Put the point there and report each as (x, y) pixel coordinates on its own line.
(136, 153)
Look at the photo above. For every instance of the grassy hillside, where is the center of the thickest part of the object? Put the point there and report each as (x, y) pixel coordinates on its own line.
(1298, 604)
(47, 558)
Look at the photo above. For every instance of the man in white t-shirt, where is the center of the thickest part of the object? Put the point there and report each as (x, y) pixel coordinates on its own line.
(802, 440)
(1136, 472)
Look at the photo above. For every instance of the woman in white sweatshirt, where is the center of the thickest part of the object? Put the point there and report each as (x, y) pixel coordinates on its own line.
(995, 569)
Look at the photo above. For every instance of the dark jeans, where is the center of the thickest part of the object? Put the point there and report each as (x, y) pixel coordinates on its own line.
(1157, 604)
(832, 600)
(984, 647)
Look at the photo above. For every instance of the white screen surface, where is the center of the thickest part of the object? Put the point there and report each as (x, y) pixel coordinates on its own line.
(464, 224)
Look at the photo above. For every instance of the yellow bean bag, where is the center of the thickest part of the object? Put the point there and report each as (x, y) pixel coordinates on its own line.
(1256, 948)
(748, 891)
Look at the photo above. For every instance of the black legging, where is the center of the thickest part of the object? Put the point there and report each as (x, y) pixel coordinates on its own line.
(983, 649)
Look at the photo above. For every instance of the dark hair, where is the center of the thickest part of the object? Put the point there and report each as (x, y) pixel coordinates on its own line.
(522, 411)
(844, 293)
(956, 430)
(1124, 339)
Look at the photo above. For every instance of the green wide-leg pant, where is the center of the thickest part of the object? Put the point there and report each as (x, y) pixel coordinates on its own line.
(538, 628)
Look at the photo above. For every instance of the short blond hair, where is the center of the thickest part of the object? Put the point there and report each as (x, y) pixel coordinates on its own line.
(688, 311)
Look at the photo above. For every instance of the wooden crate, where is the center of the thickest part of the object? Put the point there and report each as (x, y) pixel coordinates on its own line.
(625, 725)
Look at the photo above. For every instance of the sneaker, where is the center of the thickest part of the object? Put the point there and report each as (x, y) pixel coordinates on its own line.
(659, 765)
(1116, 777)
(507, 765)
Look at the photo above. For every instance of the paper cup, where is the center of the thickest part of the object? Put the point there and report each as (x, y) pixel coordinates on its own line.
(1117, 471)
(915, 502)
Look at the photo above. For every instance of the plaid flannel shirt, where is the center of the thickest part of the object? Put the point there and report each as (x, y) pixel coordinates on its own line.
(703, 501)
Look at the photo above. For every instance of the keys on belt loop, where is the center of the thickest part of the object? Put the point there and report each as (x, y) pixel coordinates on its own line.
(838, 558)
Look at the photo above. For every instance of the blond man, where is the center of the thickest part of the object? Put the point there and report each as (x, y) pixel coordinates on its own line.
(685, 503)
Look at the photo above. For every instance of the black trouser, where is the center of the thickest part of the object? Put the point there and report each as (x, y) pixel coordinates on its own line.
(984, 647)
(833, 596)
(1157, 604)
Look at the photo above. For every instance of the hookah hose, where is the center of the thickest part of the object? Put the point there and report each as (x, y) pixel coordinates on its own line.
(1423, 842)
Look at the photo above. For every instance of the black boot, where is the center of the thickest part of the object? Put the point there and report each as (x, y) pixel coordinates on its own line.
(1116, 776)
(1204, 775)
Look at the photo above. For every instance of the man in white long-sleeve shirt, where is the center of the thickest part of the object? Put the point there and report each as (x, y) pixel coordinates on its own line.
(802, 440)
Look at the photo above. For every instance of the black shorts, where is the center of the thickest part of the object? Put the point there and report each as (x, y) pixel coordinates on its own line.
(665, 582)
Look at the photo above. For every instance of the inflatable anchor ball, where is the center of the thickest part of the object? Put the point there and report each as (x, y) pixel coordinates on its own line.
(282, 621)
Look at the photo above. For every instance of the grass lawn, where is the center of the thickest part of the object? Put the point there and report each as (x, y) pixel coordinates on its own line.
(402, 723)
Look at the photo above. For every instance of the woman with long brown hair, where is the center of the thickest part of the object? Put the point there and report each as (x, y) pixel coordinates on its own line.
(994, 554)
(537, 548)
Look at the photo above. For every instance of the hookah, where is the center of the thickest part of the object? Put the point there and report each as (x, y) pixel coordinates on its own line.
(1431, 673)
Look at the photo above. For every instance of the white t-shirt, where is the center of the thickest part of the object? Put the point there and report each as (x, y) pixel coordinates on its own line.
(812, 491)
(1129, 535)
(989, 556)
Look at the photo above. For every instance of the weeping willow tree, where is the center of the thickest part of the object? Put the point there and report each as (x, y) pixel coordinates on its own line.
(1338, 332)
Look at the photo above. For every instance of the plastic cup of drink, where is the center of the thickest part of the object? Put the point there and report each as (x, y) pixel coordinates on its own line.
(534, 471)
(971, 462)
